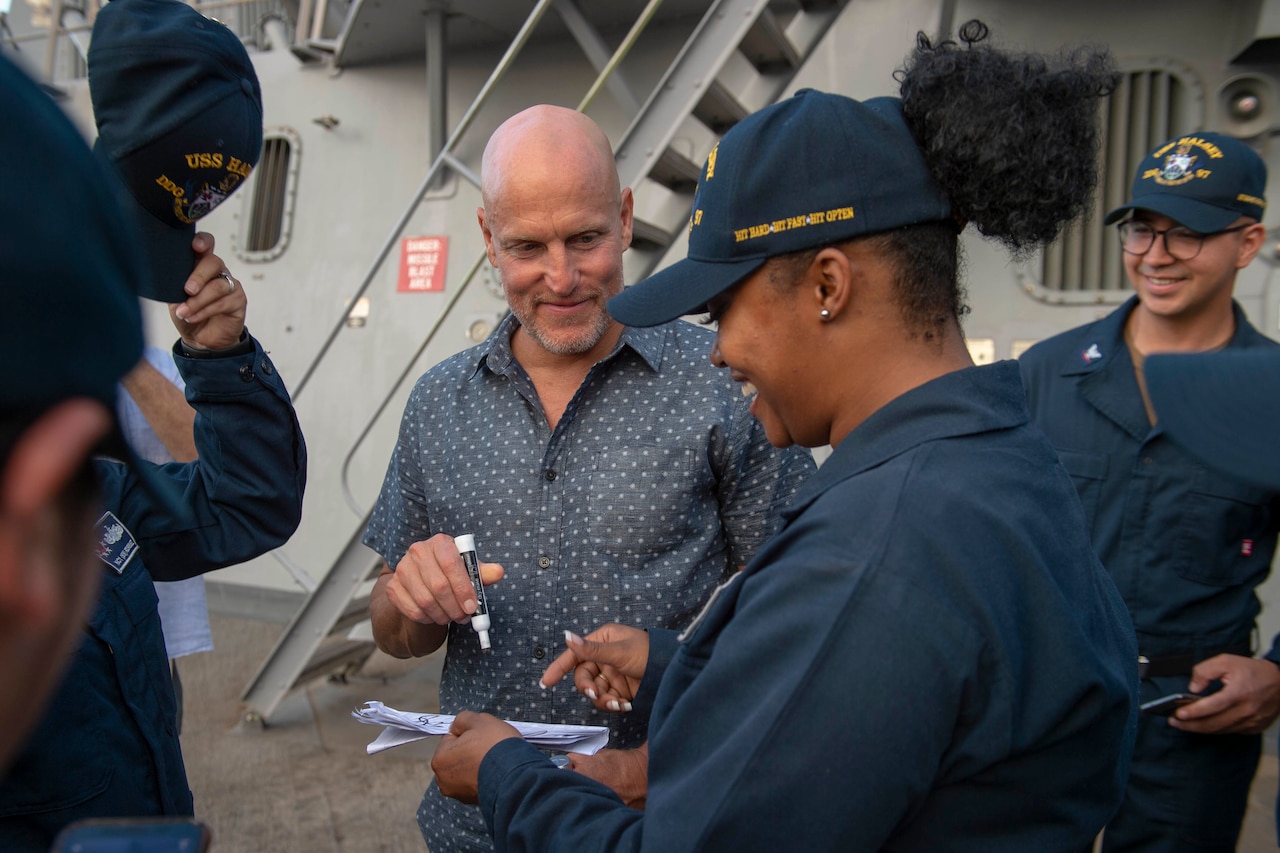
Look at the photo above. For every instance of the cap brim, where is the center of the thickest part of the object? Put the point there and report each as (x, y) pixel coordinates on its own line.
(168, 258)
(1221, 407)
(680, 289)
(167, 255)
(1192, 213)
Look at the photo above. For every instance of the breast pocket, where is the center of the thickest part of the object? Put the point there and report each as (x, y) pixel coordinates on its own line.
(646, 499)
(1224, 538)
(1088, 471)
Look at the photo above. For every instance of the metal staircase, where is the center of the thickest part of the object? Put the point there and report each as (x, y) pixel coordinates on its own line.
(740, 56)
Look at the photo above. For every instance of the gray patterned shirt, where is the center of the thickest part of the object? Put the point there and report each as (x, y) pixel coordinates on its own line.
(656, 483)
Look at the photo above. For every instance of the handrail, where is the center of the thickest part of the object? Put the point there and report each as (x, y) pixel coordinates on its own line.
(347, 494)
(621, 53)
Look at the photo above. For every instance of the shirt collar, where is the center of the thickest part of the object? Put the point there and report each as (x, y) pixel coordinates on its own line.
(496, 356)
(1099, 342)
(965, 402)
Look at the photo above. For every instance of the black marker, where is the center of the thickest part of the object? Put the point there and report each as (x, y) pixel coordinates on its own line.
(480, 619)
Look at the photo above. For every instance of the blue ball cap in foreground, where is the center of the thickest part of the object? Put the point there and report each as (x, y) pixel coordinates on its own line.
(68, 262)
(809, 171)
(72, 326)
(1223, 408)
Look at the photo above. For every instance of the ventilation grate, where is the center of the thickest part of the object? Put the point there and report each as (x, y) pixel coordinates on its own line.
(1151, 104)
(270, 214)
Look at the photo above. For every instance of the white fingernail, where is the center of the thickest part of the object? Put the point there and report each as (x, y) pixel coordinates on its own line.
(591, 694)
(613, 704)
(540, 684)
(626, 706)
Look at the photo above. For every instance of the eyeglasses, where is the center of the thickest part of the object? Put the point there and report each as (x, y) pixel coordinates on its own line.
(1183, 244)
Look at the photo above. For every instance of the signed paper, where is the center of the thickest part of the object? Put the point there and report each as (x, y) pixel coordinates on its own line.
(409, 726)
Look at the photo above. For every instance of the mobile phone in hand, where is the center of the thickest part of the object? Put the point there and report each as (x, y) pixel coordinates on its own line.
(1166, 705)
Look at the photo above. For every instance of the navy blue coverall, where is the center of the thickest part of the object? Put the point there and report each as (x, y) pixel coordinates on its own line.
(1186, 546)
(108, 743)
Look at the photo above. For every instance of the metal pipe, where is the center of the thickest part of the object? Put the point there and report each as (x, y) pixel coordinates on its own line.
(276, 32)
(437, 85)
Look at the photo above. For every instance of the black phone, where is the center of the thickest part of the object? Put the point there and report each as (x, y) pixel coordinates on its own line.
(141, 835)
(1166, 705)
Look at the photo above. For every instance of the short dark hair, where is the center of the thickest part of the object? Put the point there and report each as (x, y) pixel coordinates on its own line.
(926, 260)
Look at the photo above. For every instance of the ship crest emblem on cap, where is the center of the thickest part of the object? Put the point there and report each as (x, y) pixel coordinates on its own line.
(1178, 166)
(205, 201)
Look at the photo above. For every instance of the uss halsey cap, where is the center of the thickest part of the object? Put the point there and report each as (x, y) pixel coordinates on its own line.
(179, 115)
(812, 170)
(1205, 181)
(1222, 407)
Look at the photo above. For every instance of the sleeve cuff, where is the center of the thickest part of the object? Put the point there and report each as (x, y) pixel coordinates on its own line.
(662, 648)
(242, 347)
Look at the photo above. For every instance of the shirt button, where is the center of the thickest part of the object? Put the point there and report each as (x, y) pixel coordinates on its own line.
(544, 562)
(246, 373)
(265, 367)
(1146, 460)
(551, 474)
(539, 653)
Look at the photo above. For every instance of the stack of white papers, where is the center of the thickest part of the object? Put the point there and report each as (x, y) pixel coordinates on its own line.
(410, 726)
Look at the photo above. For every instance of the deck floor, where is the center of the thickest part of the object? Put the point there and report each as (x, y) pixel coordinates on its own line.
(305, 783)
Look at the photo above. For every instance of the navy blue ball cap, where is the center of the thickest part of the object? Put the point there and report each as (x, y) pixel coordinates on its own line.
(1222, 408)
(1205, 181)
(68, 257)
(809, 171)
(68, 262)
(179, 115)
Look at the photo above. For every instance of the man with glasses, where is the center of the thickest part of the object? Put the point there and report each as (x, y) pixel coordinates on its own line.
(1186, 545)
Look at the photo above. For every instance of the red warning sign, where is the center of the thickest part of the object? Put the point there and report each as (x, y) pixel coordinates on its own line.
(422, 263)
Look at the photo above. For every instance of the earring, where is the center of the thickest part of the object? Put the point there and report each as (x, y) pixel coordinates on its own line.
(824, 314)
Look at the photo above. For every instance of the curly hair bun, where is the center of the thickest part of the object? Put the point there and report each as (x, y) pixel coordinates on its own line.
(1012, 138)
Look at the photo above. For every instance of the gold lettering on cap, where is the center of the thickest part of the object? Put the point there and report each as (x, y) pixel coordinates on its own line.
(204, 161)
(174, 190)
(790, 223)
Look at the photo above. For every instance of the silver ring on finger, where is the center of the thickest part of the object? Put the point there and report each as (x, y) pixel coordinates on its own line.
(231, 282)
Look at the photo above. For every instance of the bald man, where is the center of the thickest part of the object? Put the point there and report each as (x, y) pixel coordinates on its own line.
(609, 473)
